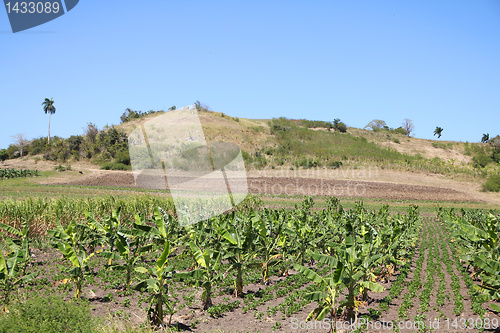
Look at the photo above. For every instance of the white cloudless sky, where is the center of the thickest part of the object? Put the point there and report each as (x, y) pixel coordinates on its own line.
(435, 62)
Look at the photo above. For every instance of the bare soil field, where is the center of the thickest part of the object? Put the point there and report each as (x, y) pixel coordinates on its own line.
(307, 186)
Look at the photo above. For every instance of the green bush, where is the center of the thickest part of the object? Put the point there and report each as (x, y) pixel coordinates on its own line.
(481, 160)
(492, 184)
(115, 166)
(396, 141)
(123, 157)
(49, 315)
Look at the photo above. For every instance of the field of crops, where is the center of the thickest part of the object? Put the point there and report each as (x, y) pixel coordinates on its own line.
(17, 173)
(257, 269)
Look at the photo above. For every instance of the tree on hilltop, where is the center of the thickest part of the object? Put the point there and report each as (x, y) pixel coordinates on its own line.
(48, 107)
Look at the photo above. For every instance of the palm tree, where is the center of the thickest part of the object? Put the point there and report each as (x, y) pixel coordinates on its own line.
(486, 138)
(438, 131)
(48, 107)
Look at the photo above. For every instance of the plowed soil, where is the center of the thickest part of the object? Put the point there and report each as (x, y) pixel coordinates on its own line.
(308, 186)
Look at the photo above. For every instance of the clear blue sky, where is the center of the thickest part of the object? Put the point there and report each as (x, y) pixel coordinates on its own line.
(435, 62)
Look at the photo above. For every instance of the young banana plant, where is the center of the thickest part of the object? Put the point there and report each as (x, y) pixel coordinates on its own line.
(268, 240)
(238, 251)
(21, 244)
(12, 273)
(157, 286)
(328, 288)
(68, 241)
(206, 274)
(106, 231)
(357, 262)
(130, 246)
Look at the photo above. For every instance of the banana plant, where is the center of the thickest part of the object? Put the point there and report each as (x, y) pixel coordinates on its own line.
(157, 286)
(357, 261)
(12, 274)
(268, 240)
(21, 244)
(207, 272)
(130, 247)
(106, 231)
(490, 281)
(328, 288)
(238, 251)
(69, 243)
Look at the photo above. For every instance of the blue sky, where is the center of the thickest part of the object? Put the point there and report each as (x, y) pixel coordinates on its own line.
(435, 62)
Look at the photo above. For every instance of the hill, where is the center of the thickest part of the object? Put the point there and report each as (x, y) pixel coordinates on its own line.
(272, 146)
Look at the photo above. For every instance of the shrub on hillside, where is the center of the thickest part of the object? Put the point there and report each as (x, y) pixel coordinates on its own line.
(115, 166)
(339, 125)
(492, 184)
(481, 160)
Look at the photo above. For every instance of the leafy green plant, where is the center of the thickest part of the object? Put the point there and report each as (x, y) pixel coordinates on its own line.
(157, 287)
(328, 286)
(238, 251)
(207, 272)
(129, 248)
(12, 274)
(70, 244)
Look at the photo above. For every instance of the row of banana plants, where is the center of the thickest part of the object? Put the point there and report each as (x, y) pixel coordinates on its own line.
(476, 238)
(335, 248)
(17, 173)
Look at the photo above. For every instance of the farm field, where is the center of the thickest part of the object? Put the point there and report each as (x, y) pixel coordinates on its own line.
(274, 262)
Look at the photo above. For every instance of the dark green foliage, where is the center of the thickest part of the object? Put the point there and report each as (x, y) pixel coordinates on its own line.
(48, 315)
(12, 151)
(316, 124)
(3, 155)
(74, 142)
(492, 184)
(129, 114)
(399, 130)
(17, 173)
(339, 126)
(38, 146)
(115, 166)
(123, 157)
(481, 160)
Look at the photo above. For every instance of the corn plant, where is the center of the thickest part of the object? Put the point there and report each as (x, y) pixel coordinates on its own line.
(157, 286)
(70, 244)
